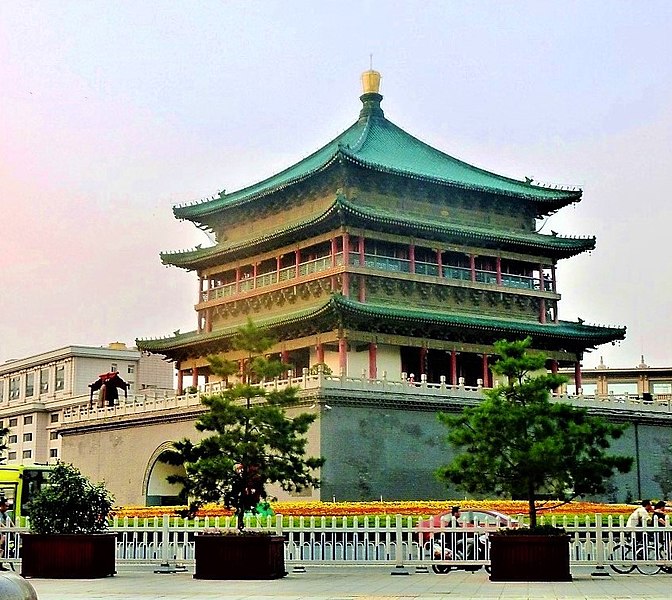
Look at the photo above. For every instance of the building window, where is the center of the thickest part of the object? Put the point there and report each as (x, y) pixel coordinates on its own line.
(2, 390)
(113, 368)
(131, 369)
(12, 439)
(53, 435)
(53, 453)
(30, 384)
(28, 420)
(14, 421)
(27, 437)
(11, 456)
(54, 417)
(27, 454)
(44, 381)
(14, 391)
(60, 377)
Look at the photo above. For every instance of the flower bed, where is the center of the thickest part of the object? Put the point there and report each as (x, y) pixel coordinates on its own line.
(406, 508)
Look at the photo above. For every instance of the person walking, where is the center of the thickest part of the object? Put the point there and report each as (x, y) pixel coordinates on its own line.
(5, 521)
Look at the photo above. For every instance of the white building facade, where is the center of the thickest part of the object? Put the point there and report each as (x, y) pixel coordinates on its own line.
(34, 392)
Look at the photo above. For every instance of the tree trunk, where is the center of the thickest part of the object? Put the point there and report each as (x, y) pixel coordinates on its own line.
(531, 503)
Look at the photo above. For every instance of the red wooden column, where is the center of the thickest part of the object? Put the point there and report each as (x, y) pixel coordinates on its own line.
(486, 371)
(346, 264)
(472, 266)
(498, 262)
(194, 376)
(360, 250)
(411, 257)
(453, 367)
(208, 320)
(554, 284)
(577, 376)
(278, 262)
(334, 251)
(373, 358)
(254, 275)
(541, 277)
(542, 310)
(343, 355)
(297, 262)
(180, 382)
(423, 360)
(319, 351)
(237, 280)
(439, 261)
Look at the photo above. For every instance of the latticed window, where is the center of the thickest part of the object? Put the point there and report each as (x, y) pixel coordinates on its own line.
(60, 377)
(14, 390)
(44, 381)
(30, 384)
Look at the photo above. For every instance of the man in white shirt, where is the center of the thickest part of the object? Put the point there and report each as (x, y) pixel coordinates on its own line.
(641, 515)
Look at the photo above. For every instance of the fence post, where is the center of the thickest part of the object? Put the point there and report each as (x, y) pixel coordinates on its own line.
(599, 571)
(165, 566)
(399, 568)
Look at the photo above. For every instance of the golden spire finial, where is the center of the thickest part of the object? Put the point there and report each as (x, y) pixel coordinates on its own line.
(371, 79)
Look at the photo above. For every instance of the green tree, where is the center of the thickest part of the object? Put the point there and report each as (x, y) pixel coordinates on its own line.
(254, 442)
(517, 442)
(71, 503)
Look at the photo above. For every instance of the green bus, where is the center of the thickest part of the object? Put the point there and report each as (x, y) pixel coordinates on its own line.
(20, 483)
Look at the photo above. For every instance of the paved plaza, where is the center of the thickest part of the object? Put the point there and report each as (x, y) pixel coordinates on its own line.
(350, 583)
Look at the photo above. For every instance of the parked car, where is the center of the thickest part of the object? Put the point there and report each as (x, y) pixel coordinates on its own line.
(490, 519)
(444, 542)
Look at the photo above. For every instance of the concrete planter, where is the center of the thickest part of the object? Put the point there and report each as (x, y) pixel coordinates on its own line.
(80, 556)
(239, 557)
(529, 557)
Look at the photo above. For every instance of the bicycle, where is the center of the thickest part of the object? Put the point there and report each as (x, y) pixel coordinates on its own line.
(623, 561)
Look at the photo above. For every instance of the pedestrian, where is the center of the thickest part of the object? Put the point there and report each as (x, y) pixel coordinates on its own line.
(5, 521)
(641, 516)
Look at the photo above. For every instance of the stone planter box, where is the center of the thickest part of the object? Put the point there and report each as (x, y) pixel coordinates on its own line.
(80, 556)
(239, 557)
(529, 558)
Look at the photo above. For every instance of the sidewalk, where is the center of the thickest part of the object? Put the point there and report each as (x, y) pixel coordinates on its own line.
(349, 583)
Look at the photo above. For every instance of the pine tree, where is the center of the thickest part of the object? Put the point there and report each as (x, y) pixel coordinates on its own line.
(254, 442)
(518, 442)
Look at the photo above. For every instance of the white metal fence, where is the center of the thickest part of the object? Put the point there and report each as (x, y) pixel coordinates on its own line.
(393, 540)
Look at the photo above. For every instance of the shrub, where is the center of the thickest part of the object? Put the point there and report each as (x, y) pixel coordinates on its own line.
(70, 504)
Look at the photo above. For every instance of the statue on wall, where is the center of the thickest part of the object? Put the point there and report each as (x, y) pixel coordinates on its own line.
(106, 385)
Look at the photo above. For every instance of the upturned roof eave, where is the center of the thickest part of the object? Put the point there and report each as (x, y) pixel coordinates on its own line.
(552, 200)
(343, 308)
(567, 248)
(558, 247)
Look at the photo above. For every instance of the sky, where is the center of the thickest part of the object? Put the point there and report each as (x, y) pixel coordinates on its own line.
(113, 112)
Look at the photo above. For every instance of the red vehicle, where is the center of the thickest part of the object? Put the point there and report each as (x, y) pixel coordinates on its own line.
(465, 539)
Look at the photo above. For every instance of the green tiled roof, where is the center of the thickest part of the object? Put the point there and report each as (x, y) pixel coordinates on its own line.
(590, 334)
(375, 143)
(555, 246)
(429, 323)
(558, 247)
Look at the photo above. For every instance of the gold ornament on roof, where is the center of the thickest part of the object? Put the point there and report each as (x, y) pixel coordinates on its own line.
(371, 81)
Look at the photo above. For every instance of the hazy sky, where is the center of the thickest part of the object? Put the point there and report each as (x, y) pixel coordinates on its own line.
(112, 112)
